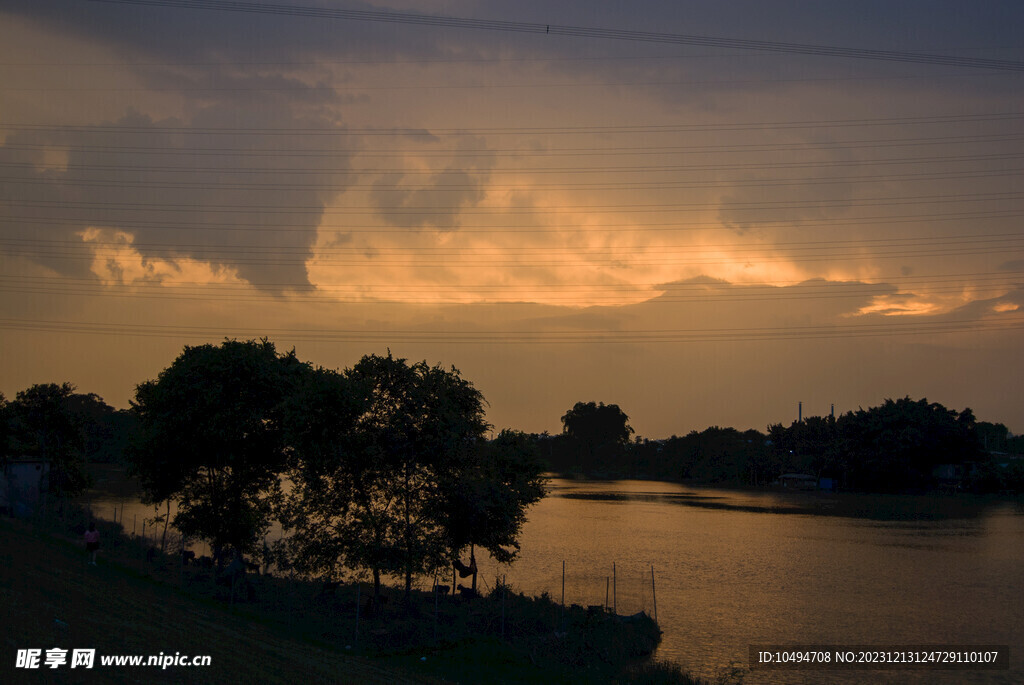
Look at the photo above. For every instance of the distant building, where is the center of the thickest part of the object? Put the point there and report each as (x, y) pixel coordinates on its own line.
(23, 482)
(798, 481)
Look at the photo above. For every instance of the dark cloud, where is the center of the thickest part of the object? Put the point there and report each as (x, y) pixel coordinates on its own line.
(176, 34)
(768, 196)
(437, 199)
(183, 36)
(216, 188)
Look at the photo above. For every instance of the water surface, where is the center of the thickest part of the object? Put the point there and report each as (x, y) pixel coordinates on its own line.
(738, 568)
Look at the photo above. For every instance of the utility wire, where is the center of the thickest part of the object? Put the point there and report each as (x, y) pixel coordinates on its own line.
(433, 210)
(632, 227)
(507, 337)
(191, 151)
(1009, 116)
(583, 249)
(579, 32)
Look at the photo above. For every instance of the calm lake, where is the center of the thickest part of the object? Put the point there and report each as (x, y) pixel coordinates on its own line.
(736, 568)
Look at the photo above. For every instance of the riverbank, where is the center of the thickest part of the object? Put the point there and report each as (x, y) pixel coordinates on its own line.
(780, 501)
(54, 599)
(272, 630)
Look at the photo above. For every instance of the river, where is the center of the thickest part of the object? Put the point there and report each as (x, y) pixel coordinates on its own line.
(731, 569)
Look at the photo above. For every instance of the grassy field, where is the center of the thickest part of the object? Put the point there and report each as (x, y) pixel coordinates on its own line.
(51, 597)
(287, 631)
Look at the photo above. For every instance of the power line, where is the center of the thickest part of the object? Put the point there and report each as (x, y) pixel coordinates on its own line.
(633, 261)
(111, 247)
(580, 32)
(363, 294)
(519, 130)
(626, 186)
(507, 337)
(887, 143)
(433, 210)
(432, 60)
(631, 227)
(902, 281)
(320, 86)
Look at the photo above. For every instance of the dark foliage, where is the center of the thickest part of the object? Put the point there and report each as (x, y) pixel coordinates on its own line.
(47, 421)
(210, 438)
(901, 445)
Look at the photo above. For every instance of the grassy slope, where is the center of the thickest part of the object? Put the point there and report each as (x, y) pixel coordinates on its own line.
(287, 636)
(113, 609)
(118, 608)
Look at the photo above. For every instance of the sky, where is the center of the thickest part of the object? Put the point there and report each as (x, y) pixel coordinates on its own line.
(703, 212)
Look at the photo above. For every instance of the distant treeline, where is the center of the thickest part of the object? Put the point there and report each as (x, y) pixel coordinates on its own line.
(382, 468)
(901, 445)
(67, 428)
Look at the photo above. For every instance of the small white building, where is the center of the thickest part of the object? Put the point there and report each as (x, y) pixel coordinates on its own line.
(23, 482)
(798, 481)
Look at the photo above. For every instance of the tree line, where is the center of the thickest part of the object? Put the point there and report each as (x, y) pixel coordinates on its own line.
(901, 445)
(382, 468)
(67, 429)
(385, 467)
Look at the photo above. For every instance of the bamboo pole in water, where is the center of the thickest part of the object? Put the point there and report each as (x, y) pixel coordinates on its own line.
(654, 595)
(615, 591)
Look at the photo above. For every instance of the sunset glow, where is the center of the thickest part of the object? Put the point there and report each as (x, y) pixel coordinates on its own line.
(669, 225)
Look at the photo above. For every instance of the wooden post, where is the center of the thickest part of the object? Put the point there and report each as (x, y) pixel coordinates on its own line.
(615, 591)
(359, 588)
(435, 606)
(654, 595)
(167, 519)
(607, 580)
(563, 582)
(504, 592)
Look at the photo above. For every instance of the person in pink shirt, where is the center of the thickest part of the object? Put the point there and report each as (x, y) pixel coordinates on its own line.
(92, 542)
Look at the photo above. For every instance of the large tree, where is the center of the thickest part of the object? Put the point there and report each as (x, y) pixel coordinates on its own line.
(598, 432)
(210, 439)
(895, 445)
(329, 473)
(486, 499)
(380, 477)
(42, 421)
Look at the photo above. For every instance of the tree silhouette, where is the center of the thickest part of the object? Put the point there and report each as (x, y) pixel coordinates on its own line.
(42, 422)
(372, 474)
(599, 433)
(485, 501)
(210, 439)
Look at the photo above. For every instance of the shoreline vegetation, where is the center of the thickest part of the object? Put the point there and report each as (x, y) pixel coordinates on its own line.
(901, 446)
(391, 474)
(139, 600)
